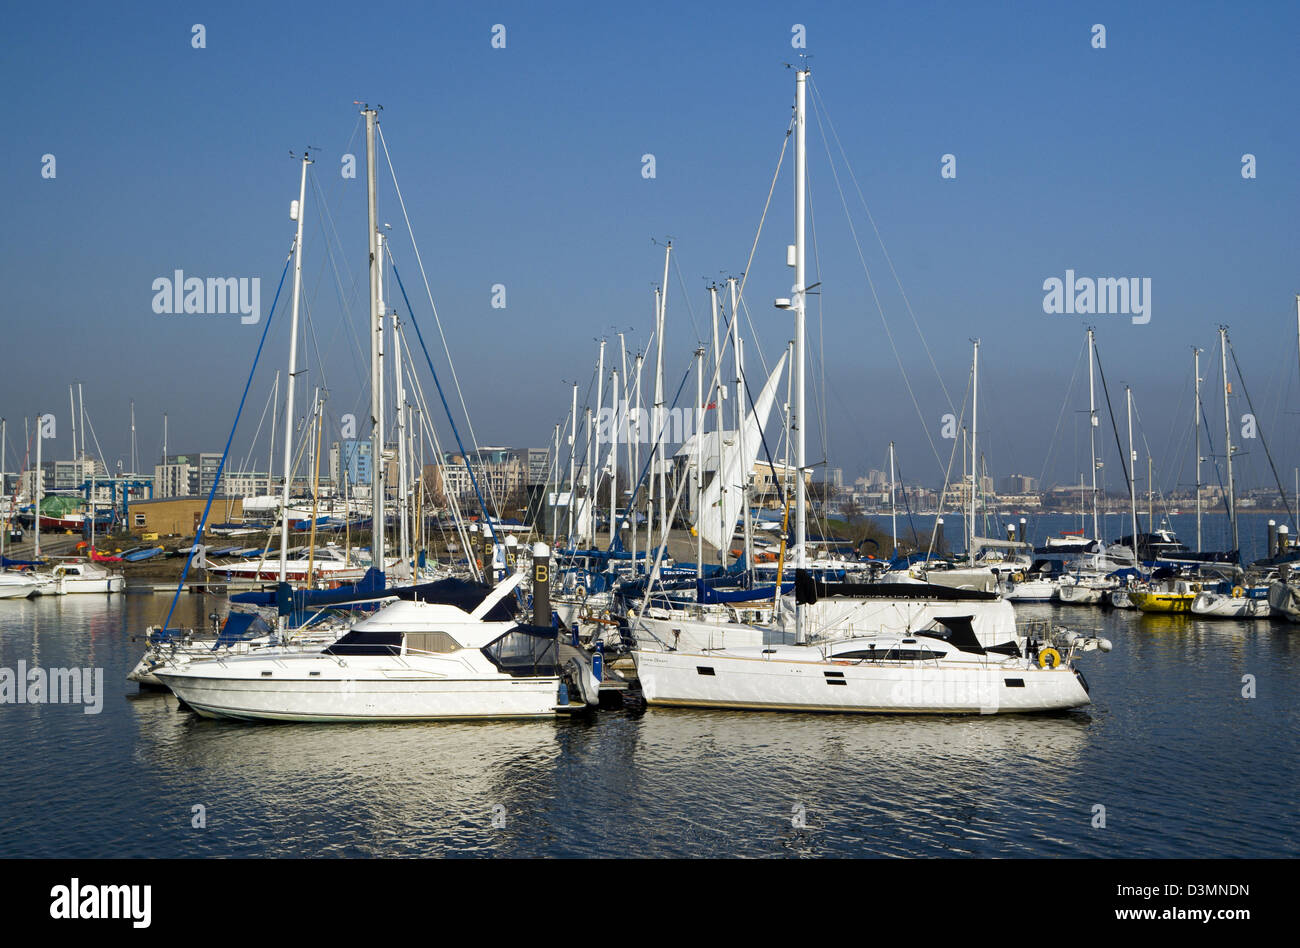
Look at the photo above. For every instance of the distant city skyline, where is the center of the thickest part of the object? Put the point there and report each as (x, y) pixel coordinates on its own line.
(1025, 182)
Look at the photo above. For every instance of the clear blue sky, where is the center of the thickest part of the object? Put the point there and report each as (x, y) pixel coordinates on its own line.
(522, 166)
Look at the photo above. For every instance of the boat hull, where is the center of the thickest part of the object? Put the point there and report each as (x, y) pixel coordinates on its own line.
(335, 699)
(675, 679)
(1163, 603)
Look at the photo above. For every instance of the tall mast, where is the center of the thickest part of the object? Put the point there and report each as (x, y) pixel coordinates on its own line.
(592, 478)
(1092, 432)
(636, 460)
(741, 417)
(801, 511)
(1227, 436)
(134, 464)
(893, 508)
(661, 411)
(699, 461)
(974, 437)
(1132, 470)
(573, 440)
(404, 534)
(72, 410)
(1196, 427)
(717, 407)
(376, 351)
(81, 402)
(299, 212)
(613, 460)
(38, 490)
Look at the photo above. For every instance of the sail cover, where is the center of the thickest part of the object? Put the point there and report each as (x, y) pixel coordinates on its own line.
(722, 498)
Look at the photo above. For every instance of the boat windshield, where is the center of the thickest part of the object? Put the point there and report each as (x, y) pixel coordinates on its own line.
(526, 651)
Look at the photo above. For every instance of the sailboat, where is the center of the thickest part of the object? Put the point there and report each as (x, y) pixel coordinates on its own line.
(941, 666)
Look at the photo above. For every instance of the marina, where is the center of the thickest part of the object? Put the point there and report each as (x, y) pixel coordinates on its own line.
(652, 451)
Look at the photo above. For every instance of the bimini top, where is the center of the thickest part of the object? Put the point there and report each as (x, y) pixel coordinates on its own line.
(808, 590)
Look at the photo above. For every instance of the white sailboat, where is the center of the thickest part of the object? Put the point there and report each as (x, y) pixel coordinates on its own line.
(944, 666)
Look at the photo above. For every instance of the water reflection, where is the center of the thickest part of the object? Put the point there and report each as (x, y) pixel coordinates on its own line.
(1183, 764)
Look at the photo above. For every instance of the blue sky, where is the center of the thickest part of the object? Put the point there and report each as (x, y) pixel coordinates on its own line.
(522, 166)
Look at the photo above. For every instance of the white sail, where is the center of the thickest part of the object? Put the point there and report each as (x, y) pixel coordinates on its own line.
(721, 500)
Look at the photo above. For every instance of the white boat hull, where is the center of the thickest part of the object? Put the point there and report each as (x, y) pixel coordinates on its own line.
(676, 679)
(316, 688)
(1229, 607)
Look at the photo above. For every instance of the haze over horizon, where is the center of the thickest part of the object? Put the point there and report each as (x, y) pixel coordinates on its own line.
(523, 167)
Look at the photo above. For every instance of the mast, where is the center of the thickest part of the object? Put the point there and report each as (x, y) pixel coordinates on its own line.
(613, 460)
(1196, 427)
(660, 419)
(636, 461)
(974, 437)
(592, 478)
(893, 508)
(699, 461)
(81, 402)
(72, 410)
(376, 351)
(38, 490)
(315, 491)
(404, 533)
(1092, 431)
(270, 458)
(297, 213)
(573, 438)
(717, 407)
(1227, 436)
(1132, 480)
(801, 511)
(134, 463)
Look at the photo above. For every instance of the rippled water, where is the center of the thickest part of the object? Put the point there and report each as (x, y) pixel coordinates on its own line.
(1182, 763)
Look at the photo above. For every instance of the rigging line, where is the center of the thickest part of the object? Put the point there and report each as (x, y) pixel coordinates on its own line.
(907, 508)
(907, 302)
(822, 401)
(216, 481)
(487, 519)
(947, 477)
(1267, 453)
(744, 276)
(1123, 455)
(871, 283)
(1060, 417)
(689, 308)
(345, 304)
(469, 422)
(426, 425)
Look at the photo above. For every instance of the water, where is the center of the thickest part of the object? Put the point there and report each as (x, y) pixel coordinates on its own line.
(1183, 764)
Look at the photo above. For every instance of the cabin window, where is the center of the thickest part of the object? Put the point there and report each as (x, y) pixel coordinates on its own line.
(430, 642)
(921, 654)
(140, 520)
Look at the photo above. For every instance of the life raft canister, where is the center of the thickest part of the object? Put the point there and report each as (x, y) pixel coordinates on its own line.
(1049, 657)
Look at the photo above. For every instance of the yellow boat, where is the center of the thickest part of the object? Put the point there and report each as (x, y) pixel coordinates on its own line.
(1175, 597)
